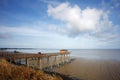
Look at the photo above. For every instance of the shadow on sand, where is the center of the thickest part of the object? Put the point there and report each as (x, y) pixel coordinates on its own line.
(64, 77)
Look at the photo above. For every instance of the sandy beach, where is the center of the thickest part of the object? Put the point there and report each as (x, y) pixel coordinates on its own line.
(92, 69)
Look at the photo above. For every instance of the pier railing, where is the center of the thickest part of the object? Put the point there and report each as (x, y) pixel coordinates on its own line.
(38, 61)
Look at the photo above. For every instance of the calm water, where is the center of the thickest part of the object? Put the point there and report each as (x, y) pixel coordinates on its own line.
(97, 54)
(84, 53)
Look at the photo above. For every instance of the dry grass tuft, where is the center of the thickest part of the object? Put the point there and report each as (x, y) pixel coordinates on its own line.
(12, 72)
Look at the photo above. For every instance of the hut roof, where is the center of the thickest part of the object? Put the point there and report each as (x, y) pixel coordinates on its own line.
(63, 50)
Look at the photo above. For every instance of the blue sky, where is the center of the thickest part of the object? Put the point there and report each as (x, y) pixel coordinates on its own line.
(69, 24)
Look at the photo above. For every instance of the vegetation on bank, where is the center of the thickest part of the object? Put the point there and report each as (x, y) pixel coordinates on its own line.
(13, 72)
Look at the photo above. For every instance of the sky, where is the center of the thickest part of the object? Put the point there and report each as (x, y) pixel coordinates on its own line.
(60, 24)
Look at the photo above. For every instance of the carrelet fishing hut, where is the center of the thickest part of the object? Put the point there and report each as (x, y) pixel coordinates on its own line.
(63, 51)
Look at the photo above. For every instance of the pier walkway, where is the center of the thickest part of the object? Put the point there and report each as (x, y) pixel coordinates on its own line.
(38, 61)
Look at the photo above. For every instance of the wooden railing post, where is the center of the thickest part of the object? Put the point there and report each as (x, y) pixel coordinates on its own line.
(50, 62)
(40, 63)
(27, 62)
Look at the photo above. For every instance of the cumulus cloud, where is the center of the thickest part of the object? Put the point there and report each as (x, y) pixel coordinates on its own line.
(89, 20)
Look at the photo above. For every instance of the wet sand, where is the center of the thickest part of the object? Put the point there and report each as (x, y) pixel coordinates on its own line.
(91, 69)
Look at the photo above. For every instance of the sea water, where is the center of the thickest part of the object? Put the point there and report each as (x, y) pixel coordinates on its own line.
(97, 53)
(79, 53)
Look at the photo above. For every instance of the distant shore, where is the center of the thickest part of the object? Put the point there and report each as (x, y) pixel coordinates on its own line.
(92, 69)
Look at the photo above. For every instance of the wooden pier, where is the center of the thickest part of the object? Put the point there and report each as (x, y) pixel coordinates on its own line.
(38, 61)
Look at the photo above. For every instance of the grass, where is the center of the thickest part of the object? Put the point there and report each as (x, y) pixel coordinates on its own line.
(12, 72)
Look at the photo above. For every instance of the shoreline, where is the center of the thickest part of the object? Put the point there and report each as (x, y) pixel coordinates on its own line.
(63, 76)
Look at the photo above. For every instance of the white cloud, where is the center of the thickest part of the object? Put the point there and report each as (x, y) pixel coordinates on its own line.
(23, 31)
(20, 30)
(88, 20)
(76, 18)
